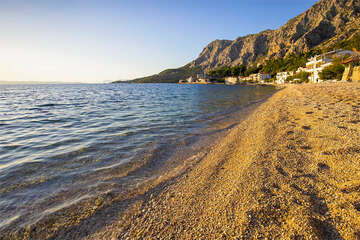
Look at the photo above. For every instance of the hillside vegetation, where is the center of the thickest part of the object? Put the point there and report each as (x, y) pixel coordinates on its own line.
(169, 75)
(325, 26)
(289, 63)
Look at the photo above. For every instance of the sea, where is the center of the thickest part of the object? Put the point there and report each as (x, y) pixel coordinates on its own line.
(63, 144)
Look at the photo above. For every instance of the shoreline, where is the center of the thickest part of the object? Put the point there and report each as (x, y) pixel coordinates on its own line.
(79, 218)
(276, 175)
(290, 170)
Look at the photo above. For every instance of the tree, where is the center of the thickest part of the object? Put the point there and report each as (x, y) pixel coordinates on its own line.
(227, 71)
(252, 70)
(334, 71)
(349, 44)
(238, 70)
(299, 77)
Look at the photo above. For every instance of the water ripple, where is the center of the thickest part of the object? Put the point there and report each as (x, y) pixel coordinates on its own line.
(60, 144)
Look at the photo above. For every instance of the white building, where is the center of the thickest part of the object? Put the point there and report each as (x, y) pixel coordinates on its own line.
(202, 78)
(282, 76)
(258, 77)
(300, 69)
(246, 79)
(252, 77)
(261, 77)
(190, 80)
(231, 80)
(317, 63)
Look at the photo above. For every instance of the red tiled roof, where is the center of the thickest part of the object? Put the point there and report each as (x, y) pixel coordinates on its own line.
(355, 58)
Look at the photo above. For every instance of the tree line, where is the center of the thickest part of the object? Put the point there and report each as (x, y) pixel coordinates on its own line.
(291, 63)
(272, 66)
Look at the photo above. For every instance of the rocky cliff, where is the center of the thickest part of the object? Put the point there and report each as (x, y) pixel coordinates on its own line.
(324, 24)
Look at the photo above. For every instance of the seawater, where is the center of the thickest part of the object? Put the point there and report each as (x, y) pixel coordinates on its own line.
(60, 144)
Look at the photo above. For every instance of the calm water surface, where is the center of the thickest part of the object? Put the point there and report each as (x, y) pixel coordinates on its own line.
(60, 144)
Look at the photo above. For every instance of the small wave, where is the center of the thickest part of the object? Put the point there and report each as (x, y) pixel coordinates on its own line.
(108, 167)
(45, 121)
(84, 137)
(65, 204)
(63, 143)
(48, 105)
(8, 221)
(11, 147)
(14, 163)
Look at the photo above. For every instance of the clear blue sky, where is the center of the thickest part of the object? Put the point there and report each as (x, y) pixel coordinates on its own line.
(93, 41)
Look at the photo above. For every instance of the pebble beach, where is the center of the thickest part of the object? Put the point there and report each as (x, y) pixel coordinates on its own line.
(289, 170)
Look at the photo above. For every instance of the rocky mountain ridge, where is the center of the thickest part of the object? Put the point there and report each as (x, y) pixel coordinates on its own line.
(325, 24)
(327, 20)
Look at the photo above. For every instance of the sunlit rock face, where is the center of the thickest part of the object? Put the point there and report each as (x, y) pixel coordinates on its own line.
(324, 24)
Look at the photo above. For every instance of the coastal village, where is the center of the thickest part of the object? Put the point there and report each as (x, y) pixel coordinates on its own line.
(313, 69)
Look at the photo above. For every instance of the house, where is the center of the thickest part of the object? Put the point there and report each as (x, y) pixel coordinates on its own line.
(352, 69)
(257, 77)
(300, 69)
(253, 77)
(190, 79)
(231, 80)
(261, 77)
(317, 63)
(202, 78)
(245, 79)
(282, 76)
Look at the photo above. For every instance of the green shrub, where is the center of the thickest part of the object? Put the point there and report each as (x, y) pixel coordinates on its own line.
(270, 80)
(301, 76)
(227, 71)
(348, 44)
(334, 71)
(289, 63)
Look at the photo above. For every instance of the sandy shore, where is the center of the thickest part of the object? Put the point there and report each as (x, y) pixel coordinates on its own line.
(290, 170)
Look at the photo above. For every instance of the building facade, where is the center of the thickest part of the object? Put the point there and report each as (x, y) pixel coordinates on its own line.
(260, 77)
(300, 69)
(190, 80)
(317, 63)
(352, 69)
(232, 80)
(282, 76)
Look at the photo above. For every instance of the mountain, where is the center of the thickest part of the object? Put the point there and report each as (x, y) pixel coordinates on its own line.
(324, 25)
(169, 75)
(332, 20)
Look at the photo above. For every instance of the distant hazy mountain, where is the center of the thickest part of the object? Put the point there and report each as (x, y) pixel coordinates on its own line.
(323, 25)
